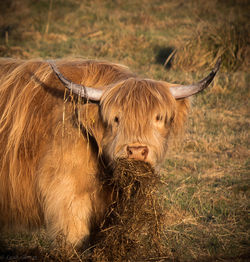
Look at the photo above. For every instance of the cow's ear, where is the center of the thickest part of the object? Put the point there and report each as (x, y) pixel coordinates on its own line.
(182, 108)
(91, 121)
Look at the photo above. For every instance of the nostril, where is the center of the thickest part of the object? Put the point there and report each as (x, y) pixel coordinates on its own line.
(137, 152)
(129, 151)
(145, 152)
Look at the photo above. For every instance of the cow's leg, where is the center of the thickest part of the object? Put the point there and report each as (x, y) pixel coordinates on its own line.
(70, 191)
(72, 221)
(67, 212)
(78, 217)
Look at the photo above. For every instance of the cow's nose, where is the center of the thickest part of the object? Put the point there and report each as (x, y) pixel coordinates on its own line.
(137, 152)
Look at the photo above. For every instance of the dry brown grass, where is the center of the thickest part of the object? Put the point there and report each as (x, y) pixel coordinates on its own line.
(132, 229)
(223, 33)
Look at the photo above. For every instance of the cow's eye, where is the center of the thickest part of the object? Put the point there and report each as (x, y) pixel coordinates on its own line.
(116, 119)
(159, 117)
(171, 119)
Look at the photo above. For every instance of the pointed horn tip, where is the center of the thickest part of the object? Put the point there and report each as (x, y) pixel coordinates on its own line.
(217, 65)
(50, 62)
(52, 65)
(91, 93)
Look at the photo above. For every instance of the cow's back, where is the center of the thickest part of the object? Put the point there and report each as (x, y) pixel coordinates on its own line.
(7, 65)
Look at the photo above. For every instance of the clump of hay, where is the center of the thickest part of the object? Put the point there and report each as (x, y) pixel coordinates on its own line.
(208, 42)
(133, 226)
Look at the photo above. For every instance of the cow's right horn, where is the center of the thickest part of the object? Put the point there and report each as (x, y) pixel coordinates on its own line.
(182, 91)
(83, 91)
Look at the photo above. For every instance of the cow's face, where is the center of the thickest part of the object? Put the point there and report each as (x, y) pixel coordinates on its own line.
(138, 116)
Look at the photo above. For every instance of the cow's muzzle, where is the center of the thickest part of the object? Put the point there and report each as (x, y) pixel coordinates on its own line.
(137, 152)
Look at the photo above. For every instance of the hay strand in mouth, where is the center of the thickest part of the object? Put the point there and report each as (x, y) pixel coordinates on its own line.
(133, 227)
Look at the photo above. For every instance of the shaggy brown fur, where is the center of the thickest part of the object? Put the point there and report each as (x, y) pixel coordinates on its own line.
(52, 145)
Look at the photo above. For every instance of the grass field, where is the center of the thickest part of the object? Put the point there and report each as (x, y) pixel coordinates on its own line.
(206, 171)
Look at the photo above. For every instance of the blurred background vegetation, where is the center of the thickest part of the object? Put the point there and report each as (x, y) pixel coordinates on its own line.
(207, 172)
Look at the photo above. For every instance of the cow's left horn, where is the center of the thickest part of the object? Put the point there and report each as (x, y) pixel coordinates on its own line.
(185, 91)
(83, 91)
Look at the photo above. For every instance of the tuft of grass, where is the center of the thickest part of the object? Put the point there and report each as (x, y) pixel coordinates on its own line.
(210, 41)
(217, 33)
(133, 226)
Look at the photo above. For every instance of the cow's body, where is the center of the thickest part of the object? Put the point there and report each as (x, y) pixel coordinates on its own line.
(52, 147)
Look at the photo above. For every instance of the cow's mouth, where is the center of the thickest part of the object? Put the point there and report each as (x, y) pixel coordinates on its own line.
(133, 165)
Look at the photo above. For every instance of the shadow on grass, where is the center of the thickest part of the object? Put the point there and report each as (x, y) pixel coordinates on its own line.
(164, 56)
(9, 253)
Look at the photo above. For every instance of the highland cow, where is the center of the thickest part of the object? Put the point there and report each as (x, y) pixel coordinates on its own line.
(56, 142)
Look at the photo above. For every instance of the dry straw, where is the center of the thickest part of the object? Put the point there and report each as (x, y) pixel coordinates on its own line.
(132, 229)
